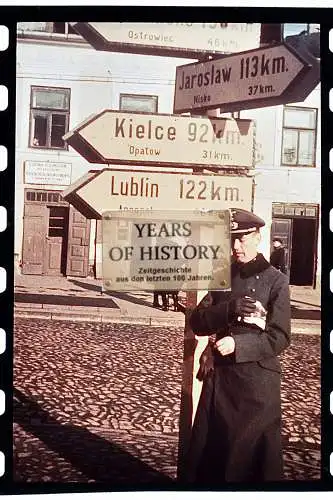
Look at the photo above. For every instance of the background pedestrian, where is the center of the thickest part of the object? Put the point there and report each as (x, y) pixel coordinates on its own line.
(278, 256)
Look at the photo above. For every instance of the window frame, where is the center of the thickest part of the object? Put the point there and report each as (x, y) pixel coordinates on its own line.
(298, 130)
(48, 193)
(154, 97)
(50, 111)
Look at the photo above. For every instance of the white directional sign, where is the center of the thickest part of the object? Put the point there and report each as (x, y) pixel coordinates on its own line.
(171, 39)
(138, 190)
(250, 79)
(141, 138)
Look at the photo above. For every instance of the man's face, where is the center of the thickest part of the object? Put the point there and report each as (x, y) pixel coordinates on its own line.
(245, 247)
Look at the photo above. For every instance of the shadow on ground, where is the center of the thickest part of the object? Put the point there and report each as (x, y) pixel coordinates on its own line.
(65, 300)
(96, 458)
(300, 313)
(117, 295)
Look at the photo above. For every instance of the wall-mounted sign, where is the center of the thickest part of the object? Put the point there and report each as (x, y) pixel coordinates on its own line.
(252, 79)
(166, 250)
(46, 172)
(142, 138)
(115, 190)
(295, 209)
(190, 40)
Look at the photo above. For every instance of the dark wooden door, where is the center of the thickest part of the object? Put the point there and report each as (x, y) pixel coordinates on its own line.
(78, 244)
(282, 228)
(56, 240)
(304, 244)
(35, 226)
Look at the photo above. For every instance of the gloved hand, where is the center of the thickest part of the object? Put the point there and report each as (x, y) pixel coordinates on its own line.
(206, 362)
(243, 306)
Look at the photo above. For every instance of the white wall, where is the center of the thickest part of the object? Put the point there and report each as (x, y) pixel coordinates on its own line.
(96, 79)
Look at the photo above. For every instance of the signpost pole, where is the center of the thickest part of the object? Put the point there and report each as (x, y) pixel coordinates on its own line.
(193, 348)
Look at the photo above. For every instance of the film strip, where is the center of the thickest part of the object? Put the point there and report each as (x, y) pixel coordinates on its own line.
(8, 119)
(6, 234)
(327, 408)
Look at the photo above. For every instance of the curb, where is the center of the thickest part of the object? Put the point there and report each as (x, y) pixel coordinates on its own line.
(95, 315)
(97, 318)
(306, 327)
(309, 327)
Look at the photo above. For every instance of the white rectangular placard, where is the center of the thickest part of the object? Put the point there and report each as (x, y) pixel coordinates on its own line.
(166, 250)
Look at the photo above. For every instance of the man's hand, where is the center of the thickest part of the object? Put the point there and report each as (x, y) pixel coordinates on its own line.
(225, 346)
(244, 306)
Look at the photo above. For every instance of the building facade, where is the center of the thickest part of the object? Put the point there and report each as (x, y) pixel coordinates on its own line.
(61, 80)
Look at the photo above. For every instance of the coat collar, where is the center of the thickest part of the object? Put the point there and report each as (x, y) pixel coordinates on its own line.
(255, 266)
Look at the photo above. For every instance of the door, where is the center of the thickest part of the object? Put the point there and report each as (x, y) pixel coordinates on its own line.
(56, 240)
(35, 226)
(78, 244)
(282, 229)
(304, 241)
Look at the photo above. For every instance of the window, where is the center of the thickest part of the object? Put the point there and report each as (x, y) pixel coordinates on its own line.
(38, 196)
(138, 102)
(49, 117)
(299, 137)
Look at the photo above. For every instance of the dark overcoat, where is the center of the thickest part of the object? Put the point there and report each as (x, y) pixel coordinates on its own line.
(278, 259)
(236, 434)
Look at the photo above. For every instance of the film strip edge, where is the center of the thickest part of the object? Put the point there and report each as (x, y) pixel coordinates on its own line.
(327, 263)
(7, 125)
(7, 115)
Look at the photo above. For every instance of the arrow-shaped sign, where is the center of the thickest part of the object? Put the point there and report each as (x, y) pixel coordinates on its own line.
(190, 40)
(109, 189)
(157, 139)
(311, 79)
(251, 79)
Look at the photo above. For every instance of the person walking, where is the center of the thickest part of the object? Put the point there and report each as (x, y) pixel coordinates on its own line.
(278, 256)
(236, 436)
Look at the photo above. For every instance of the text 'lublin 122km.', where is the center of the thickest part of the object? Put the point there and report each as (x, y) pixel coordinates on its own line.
(190, 189)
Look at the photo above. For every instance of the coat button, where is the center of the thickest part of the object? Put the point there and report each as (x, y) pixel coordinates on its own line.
(257, 277)
(253, 289)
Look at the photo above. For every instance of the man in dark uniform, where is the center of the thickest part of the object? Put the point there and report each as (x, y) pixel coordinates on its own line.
(278, 257)
(236, 436)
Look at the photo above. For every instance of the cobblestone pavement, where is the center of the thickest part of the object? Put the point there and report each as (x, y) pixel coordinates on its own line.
(100, 402)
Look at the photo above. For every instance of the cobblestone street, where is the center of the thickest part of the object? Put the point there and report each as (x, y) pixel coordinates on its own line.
(101, 402)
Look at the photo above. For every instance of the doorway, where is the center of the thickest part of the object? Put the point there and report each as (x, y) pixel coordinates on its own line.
(303, 251)
(56, 241)
(55, 236)
(296, 225)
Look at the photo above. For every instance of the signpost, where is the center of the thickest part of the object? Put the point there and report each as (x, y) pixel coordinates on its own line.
(108, 189)
(252, 79)
(188, 40)
(157, 139)
(266, 76)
